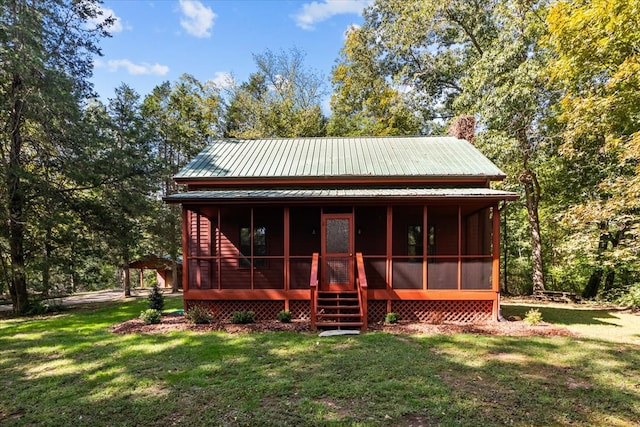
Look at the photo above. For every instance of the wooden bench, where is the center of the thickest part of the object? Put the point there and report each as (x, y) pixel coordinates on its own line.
(556, 296)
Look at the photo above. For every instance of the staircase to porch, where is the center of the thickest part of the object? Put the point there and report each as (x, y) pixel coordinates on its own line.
(339, 309)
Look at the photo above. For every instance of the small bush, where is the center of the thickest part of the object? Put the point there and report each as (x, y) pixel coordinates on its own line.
(391, 318)
(45, 307)
(533, 317)
(631, 298)
(199, 315)
(156, 299)
(284, 316)
(242, 317)
(151, 316)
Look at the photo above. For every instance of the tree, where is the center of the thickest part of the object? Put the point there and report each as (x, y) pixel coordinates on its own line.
(363, 101)
(282, 99)
(47, 50)
(182, 119)
(478, 58)
(125, 175)
(596, 64)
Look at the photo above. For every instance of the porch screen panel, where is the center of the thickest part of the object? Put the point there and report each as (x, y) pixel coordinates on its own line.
(200, 250)
(300, 273)
(442, 273)
(476, 273)
(477, 259)
(376, 269)
(407, 274)
(370, 226)
(304, 227)
(271, 277)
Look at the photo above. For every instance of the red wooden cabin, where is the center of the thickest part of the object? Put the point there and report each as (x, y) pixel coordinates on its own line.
(342, 230)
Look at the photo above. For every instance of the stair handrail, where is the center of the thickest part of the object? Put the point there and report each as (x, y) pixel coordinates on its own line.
(313, 286)
(361, 281)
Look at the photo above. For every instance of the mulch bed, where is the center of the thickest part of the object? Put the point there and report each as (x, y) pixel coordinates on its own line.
(172, 323)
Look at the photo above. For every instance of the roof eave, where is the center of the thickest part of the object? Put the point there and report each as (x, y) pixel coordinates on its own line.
(333, 179)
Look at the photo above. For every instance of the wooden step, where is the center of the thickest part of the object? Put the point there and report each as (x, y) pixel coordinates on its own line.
(338, 324)
(337, 299)
(338, 315)
(338, 307)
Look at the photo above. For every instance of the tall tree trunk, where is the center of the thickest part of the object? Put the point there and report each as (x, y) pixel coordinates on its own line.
(532, 200)
(46, 265)
(18, 284)
(127, 273)
(591, 290)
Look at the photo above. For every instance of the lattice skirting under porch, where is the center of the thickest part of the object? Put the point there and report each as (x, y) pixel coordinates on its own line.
(264, 310)
(421, 311)
(443, 311)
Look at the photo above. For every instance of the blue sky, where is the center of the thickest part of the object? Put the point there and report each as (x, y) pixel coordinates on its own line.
(158, 40)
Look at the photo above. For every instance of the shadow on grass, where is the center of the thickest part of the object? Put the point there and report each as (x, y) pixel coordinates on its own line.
(71, 370)
(564, 316)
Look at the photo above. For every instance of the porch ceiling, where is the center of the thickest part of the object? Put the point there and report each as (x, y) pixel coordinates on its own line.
(342, 194)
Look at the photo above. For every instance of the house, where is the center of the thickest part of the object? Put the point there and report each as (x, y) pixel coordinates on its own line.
(342, 230)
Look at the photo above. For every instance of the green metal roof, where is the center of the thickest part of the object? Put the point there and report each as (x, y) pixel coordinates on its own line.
(368, 194)
(368, 157)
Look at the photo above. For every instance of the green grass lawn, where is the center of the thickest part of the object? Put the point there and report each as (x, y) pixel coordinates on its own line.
(69, 369)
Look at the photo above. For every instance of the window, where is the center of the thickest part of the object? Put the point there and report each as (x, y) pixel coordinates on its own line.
(414, 242)
(259, 246)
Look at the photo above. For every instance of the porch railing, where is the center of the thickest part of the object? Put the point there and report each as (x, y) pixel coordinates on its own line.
(313, 285)
(361, 283)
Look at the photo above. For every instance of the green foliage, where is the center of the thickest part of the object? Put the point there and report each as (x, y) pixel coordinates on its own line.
(198, 314)
(533, 317)
(156, 299)
(284, 316)
(45, 307)
(631, 298)
(243, 317)
(151, 316)
(391, 318)
(282, 99)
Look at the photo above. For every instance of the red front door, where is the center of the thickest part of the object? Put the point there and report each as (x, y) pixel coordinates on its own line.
(337, 252)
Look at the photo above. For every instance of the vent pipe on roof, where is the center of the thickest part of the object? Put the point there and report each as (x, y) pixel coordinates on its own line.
(463, 127)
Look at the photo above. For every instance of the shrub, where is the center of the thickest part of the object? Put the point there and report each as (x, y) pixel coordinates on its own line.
(198, 314)
(533, 317)
(151, 316)
(243, 317)
(631, 298)
(45, 307)
(156, 299)
(284, 316)
(391, 318)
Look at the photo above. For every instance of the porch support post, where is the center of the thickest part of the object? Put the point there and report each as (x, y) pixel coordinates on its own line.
(424, 247)
(389, 263)
(286, 255)
(459, 247)
(495, 270)
(185, 255)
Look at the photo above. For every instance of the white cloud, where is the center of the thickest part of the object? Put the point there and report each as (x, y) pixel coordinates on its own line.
(116, 26)
(222, 80)
(132, 68)
(198, 19)
(314, 12)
